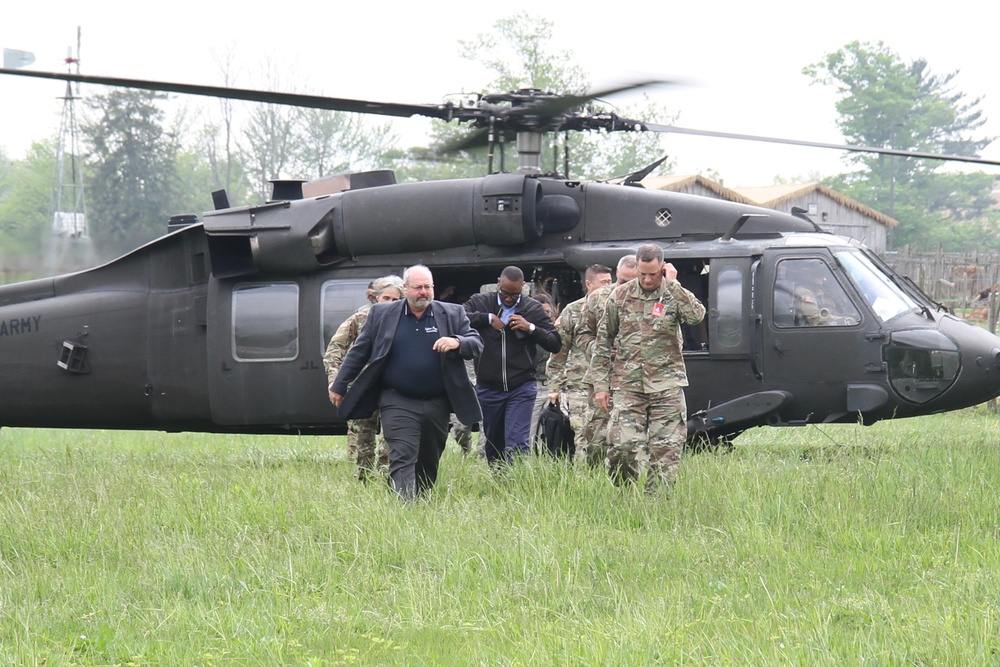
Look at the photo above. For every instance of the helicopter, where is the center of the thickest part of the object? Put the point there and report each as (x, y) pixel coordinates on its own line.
(220, 325)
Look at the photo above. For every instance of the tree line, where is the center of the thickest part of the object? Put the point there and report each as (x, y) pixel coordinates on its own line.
(887, 102)
(139, 168)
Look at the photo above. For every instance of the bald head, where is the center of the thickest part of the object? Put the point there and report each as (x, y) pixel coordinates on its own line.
(418, 288)
(626, 269)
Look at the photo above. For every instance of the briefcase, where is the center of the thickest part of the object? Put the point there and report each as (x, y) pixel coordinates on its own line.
(553, 432)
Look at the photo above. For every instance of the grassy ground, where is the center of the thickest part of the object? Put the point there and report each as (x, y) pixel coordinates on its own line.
(817, 545)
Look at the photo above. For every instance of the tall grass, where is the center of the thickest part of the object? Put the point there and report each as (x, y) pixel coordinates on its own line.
(817, 545)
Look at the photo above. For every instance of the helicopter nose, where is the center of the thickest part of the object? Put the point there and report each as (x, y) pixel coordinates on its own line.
(980, 379)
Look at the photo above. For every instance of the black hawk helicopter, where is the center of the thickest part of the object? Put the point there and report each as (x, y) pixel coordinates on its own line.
(221, 324)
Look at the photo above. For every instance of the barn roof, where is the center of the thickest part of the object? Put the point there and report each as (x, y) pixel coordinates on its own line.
(678, 182)
(768, 196)
(775, 196)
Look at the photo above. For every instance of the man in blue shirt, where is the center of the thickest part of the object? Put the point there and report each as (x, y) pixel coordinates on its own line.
(511, 325)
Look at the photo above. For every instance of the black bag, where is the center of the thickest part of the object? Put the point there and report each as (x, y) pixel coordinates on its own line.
(554, 432)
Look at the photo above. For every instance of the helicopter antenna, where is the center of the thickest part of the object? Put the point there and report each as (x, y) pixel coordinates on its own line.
(802, 213)
(637, 176)
(70, 245)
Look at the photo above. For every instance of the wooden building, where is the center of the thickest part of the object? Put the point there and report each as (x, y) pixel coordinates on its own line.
(695, 185)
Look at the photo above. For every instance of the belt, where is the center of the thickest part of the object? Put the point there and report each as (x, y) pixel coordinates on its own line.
(416, 397)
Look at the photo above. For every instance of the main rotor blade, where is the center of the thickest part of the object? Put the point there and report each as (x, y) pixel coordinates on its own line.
(557, 105)
(652, 127)
(545, 107)
(443, 111)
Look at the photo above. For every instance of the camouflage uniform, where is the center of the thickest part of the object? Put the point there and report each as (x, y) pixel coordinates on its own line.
(361, 433)
(542, 357)
(595, 431)
(648, 417)
(807, 310)
(462, 434)
(567, 369)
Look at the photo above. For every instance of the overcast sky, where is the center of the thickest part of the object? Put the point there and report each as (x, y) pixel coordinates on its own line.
(745, 59)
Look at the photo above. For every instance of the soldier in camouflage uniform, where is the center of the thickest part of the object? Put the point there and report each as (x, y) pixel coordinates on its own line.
(362, 433)
(648, 422)
(567, 368)
(595, 432)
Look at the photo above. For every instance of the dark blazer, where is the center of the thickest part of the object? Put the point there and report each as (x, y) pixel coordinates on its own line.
(365, 361)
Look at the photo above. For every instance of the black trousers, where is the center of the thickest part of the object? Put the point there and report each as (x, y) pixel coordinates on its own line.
(415, 431)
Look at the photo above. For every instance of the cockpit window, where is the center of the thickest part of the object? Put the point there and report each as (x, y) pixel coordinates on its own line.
(806, 294)
(884, 296)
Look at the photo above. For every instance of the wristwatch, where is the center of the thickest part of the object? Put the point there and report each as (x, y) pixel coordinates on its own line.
(531, 327)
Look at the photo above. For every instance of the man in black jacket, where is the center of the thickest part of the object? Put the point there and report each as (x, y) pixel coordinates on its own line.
(408, 362)
(510, 325)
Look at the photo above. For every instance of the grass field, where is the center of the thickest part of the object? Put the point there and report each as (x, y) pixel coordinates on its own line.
(818, 545)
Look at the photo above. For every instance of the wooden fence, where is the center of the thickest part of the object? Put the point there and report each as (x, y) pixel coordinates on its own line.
(960, 280)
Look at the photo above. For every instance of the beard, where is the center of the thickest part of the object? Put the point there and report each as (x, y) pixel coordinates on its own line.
(419, 302)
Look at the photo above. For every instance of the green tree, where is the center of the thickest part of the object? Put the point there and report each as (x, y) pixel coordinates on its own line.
(25, 201)
(885, 102)
(515, 51)
(202, 166)
(333, 142)
(195, 183)
(287, 142)
(206, 164)
(132, 174)
(268, 144)
(603, 155)
(217, 139)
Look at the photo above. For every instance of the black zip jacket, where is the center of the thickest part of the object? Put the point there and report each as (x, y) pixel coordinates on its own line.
(508, 358)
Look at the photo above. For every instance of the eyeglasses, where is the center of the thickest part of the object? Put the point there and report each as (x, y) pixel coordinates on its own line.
(509, 295)
(421, 288)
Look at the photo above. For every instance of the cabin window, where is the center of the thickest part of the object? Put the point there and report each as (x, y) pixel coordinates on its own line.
(729, 303)
(266, 322)
(338, 301)
(806, 294)
(727, 307)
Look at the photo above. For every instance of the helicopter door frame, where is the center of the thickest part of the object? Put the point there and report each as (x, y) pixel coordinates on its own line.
(722, 369)
(820, 342)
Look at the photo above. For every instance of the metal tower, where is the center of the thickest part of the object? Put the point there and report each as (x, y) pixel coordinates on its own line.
(70, 246)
